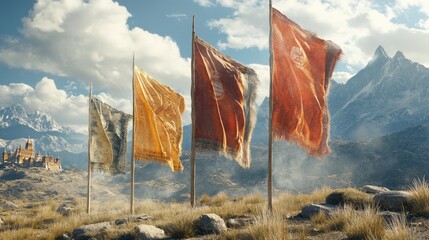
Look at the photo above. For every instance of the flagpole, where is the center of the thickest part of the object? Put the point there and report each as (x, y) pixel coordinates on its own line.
(193, 170)
(88, 197)
(132, 150)
(270, 122)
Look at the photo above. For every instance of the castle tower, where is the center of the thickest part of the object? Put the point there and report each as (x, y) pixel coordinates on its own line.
(5, 157)
(29, 144)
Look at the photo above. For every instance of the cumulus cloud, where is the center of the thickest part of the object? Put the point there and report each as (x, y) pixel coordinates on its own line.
(205, 3)
(358, 27)
(263, 72)
(341, 77)
(89, 40)
(13, 93)
(68, 110)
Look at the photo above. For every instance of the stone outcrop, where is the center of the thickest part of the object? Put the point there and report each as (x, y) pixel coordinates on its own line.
(210, 223)
(313, 209)
(64, 210)
(239, 222)
(396, 201)
(371, 189)
(96, 231)
(149, 232)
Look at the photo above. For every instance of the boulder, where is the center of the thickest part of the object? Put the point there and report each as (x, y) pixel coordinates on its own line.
(140, 218)
(349, 196)
(121, 221)
(65, 236)
(313, 209)
(210, 223)
(239, 222)
(371, 189)
(149, 232)
(96, 230)
(390, 217)
(64, 210)
(396, 201)
(8, 205)
(335, 198)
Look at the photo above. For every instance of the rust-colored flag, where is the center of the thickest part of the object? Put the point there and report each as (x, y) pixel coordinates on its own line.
(302, 68)
(224, 96)
(157, 121)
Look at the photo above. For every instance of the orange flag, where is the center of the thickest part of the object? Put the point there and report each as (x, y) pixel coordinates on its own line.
(302, 68)
(224, 96)
(157, 121)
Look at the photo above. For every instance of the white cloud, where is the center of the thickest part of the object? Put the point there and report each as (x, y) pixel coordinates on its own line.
(358, 27)
(341, 77)
(247, 28)
(13, 93)
(68, 110)
(205, 3)
(91, 41)
(263, 72)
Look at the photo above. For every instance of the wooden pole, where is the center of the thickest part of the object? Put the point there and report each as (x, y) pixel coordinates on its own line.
(193, 169)
(88, 197)
(132, 149)
(270, 121)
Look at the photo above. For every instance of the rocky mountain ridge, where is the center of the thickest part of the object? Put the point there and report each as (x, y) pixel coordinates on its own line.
(16, 125)
(390, 94)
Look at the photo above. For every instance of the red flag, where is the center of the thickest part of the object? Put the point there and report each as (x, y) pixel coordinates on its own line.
(302, 68)
(224, 97)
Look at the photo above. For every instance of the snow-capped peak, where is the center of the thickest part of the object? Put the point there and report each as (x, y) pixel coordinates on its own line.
(380, 53)
(16, 115)
(399, 55)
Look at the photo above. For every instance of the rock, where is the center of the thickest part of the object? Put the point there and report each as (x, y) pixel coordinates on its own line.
(389, 217)
(8, 205)
(121, 221)
(313, 209)
(396, 201)
(96, 230)
(349, 196)
(210, 223)
(239, 222)
(335, 198)
(140, 218)
(65, 236)
(371, 189)
(64, 210)
(1, 223)
(149, 232)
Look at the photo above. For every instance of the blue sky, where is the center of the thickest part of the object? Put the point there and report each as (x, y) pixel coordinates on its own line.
(51, 50)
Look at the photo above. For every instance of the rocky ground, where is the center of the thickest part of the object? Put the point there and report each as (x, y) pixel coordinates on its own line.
(39, 204)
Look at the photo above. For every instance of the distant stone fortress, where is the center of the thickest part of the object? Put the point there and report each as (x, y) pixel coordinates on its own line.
(27, 158)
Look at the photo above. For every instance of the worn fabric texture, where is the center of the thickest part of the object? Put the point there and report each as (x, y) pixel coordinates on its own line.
(224, 96)
(108, 138)
(158, 129)
(302, 68)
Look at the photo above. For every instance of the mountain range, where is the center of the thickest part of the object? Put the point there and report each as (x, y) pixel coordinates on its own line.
(388, 95)
(379, 135)
(16, 125)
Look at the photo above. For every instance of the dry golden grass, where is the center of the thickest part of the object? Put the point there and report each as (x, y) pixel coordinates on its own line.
(287, 204)
(182, 226)
(336, 221)
(353, 197)
(216, 200)
(268, 226)
(177, 219)
(420, 197)
(365, 225)
(398, 230)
